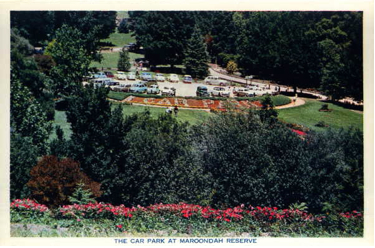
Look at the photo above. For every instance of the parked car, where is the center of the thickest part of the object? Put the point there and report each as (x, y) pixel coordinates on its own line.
(159, 77)
(202, 91)
(109, 74)
(220, 91)
(214, 80)
(187, 79)
(138, 88)
(242, 92)
(168, 91)
(173, 78)
(121, 75)
(146, 76)
(98, 82)
(153, 89)
(131, 76)
(122, 88)
(100, 74)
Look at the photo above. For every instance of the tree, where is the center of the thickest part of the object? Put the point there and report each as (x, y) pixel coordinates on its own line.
(231, 67)
(123, 27)
(68, 51)
(163, 34)
(123, 62)
(196, 56)
(53, 181)
(81, 195)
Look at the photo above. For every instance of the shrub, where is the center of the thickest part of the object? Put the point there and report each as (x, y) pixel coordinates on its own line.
(53, 181)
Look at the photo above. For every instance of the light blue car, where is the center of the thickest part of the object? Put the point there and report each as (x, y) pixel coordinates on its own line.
(138, 88)
(146, 76)
(100, 75)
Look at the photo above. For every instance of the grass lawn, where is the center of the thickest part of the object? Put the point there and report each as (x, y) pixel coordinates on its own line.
(119, 39)
(122, 14)
(308, 115)
(60, 120)
(191, 116)
(111, 60)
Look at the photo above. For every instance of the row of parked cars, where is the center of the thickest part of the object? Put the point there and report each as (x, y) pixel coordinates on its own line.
(142, 88)
(148, 77)
(225, 92)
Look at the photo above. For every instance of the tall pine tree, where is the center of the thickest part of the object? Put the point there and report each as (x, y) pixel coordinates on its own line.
(196, 56)
(123, 62)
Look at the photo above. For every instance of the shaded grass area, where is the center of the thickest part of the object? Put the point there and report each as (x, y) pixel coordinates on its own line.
(309, 115)
(110, 60)
(191, 116)
(119, 39)
(184, 115)
(61, 120)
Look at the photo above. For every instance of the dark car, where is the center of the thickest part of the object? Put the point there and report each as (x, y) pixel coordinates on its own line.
(202, 91)
(109, 74)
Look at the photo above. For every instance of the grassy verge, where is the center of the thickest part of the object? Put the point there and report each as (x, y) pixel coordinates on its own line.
(309, 115)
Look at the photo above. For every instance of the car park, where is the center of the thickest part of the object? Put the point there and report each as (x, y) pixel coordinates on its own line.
(159, 77)
(153, 89)
(242, 92)
(138, 88)
(122, 88)
(202, 91)
(131, 76)
(220, 91)
(214, 80)
(168, 91)
(121, 75)
(100, 74)
(173, 78)
(146, 76)
(187, 79)
(109, 74)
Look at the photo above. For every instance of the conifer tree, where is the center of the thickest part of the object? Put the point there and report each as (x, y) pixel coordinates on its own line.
(196, 56)
(123, 62)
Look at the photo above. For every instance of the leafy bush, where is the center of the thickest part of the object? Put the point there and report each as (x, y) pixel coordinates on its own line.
(53, 181)
(26, 209)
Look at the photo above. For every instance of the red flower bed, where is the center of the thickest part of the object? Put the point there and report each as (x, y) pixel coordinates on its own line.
(27, 204)
(192, 103)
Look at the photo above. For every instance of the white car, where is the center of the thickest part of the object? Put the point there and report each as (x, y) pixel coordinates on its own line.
(131, 76)
(121, 75)
(173, 78)
(168, 91)
(220, 91)
(214, 80)
(159, 77)
(153, 89)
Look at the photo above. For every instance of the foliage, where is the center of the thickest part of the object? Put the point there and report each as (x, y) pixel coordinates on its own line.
(45, 63)
(231, 67)
(123, 27)
(53, 181)
(194, 220)
(23, 156)
(19, 43)
(81, 195)
(28, 209)
(196, 56)
(123, 62)
(71, 61)
(27, 117)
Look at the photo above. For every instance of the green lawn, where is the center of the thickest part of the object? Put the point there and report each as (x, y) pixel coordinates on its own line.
(60, 120)
(119, 39)
(122, 14)
(111, 60)
(308, 115)
(191, 116)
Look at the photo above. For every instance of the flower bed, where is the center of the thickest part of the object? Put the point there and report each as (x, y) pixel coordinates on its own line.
(194, 219)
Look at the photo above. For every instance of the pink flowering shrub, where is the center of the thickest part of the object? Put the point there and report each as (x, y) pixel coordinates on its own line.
(26, 208)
